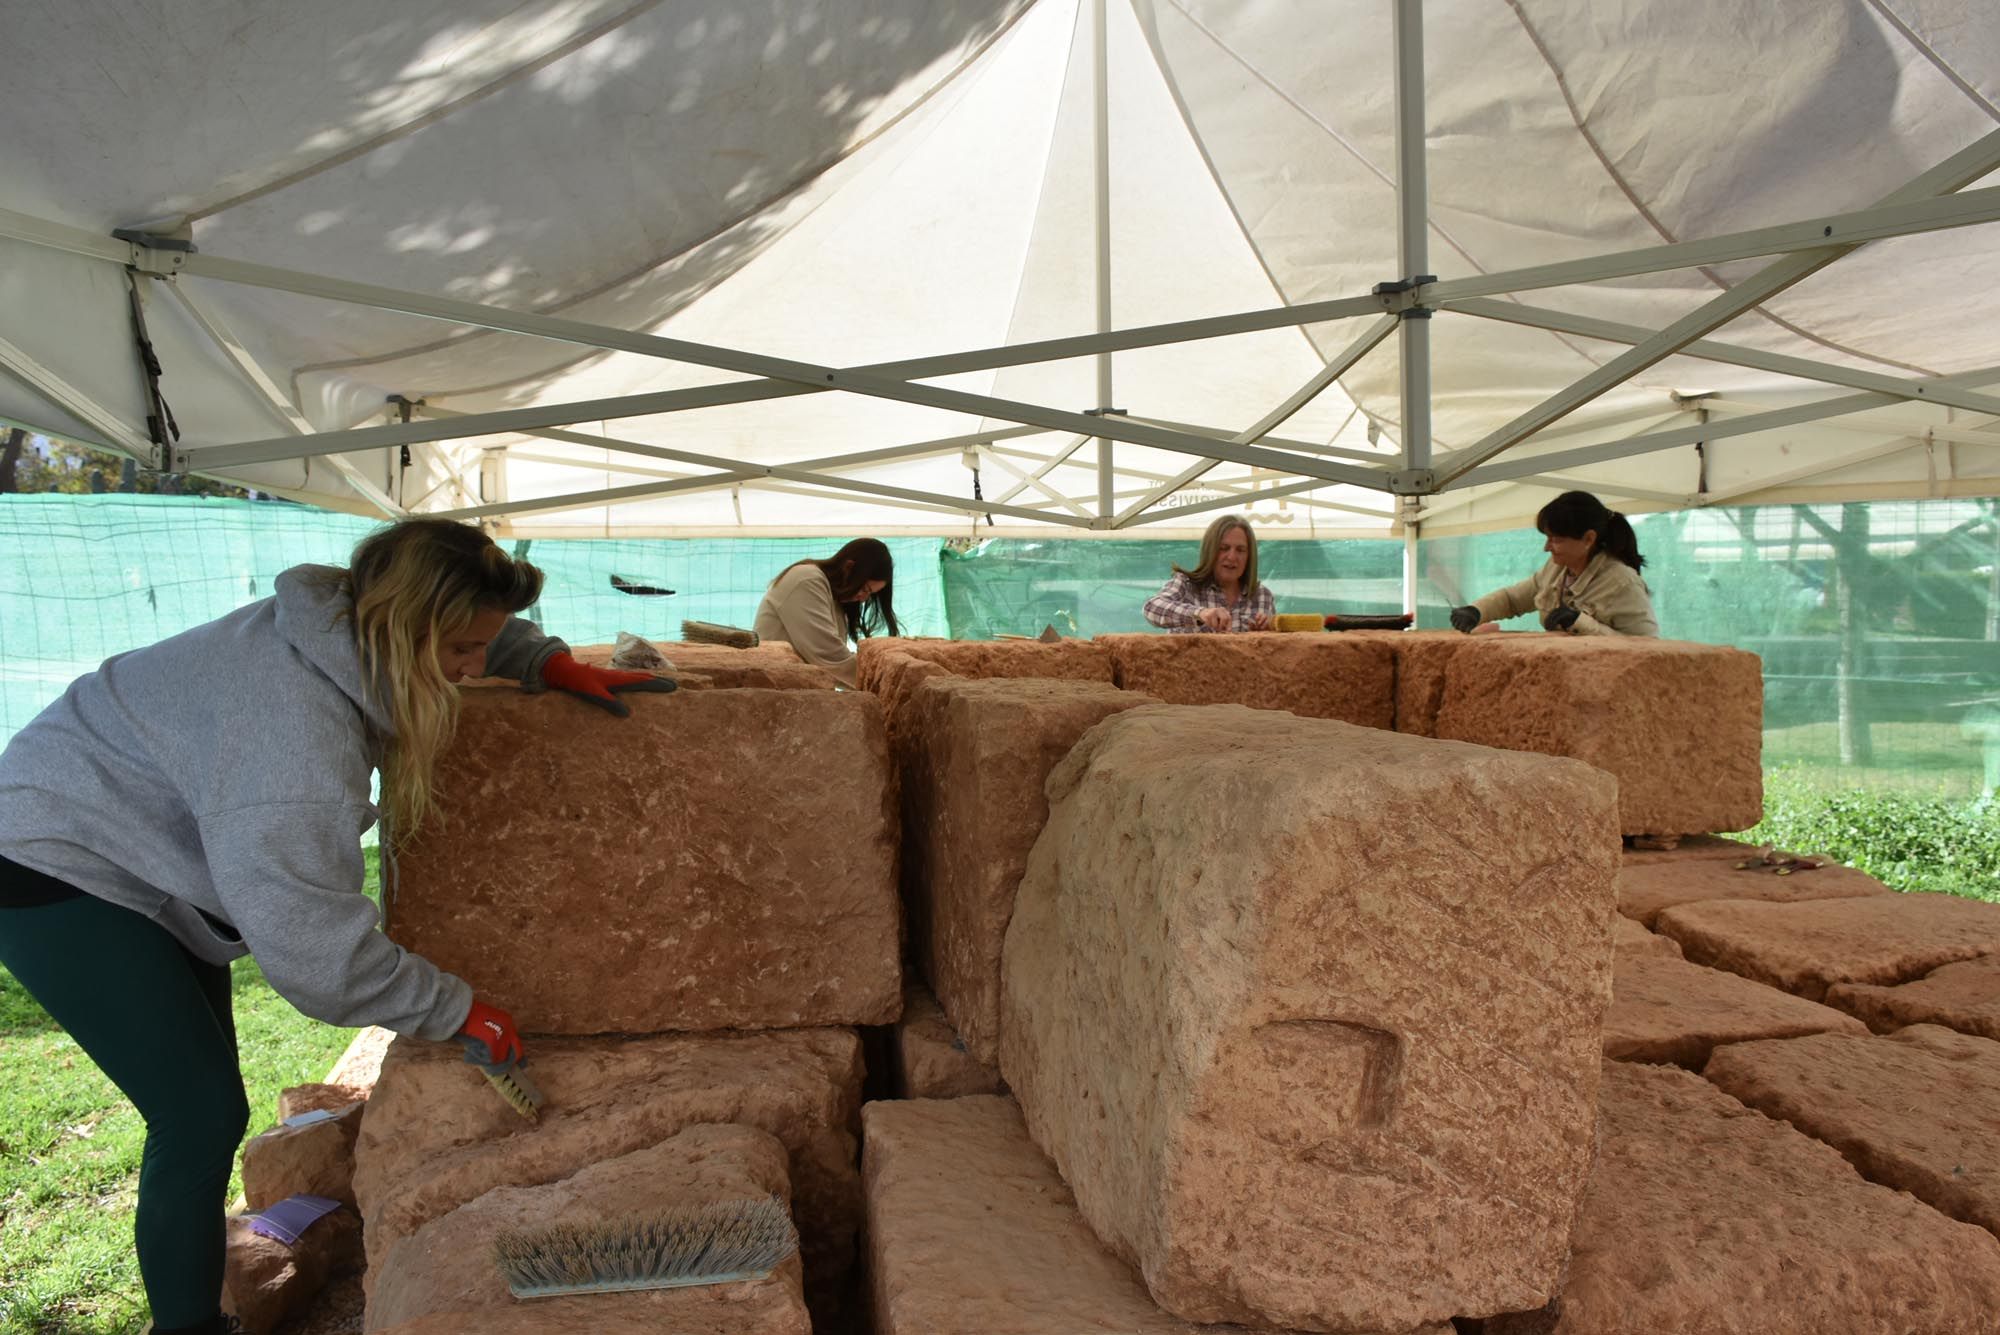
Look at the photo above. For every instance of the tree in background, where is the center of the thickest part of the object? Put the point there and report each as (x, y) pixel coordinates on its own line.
(31, 463)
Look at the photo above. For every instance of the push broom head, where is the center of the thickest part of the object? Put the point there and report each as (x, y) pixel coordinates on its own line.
(707, 632)
(718, 1243)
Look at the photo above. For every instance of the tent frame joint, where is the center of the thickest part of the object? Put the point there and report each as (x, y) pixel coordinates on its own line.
(1412, 481)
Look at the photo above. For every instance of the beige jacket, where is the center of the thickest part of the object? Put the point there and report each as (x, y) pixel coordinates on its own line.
(799, 608)
(1609, 597)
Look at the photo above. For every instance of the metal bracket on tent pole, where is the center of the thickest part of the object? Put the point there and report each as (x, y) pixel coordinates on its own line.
(1413, 482)
(158, 253)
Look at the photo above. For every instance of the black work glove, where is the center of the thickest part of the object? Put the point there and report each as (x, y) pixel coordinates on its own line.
(1559, 618)
(1463, 619)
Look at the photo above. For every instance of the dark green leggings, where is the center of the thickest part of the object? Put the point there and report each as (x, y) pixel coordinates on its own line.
(157, 1021)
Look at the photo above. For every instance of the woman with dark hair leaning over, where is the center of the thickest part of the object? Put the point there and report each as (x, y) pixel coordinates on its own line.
(1222, 593)
(1590, 586)
(822, 608)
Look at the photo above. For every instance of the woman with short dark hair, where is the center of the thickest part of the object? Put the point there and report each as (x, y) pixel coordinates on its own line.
(822, 608)
(1591, 584)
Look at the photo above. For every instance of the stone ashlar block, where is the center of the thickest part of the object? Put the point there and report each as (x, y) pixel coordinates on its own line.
(1346, 677)
(1664, 1009)
(1649, 889)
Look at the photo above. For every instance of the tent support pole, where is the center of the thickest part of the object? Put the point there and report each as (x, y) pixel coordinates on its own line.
(1412, 233)
(1100, 102)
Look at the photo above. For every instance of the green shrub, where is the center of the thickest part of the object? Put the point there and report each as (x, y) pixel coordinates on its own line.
(1911, 841)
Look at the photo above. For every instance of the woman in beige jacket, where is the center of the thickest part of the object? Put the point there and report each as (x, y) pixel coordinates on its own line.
(821, 607)
(1590, 586)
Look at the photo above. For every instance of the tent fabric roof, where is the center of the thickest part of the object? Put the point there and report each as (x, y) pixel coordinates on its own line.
(843, 185)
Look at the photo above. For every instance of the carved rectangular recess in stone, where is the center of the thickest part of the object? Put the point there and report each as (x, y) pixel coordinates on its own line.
(1645, 891)
(1236, 993)
(1703, 1216)
(719, 860)
(1963, 996)
(977, 755)
(1664, 1009)
(970, 1232)
(436, 1136)
(1918, 1111)
(1807, 947)
(445, 1270)
(1680, 726)
(1344, 677)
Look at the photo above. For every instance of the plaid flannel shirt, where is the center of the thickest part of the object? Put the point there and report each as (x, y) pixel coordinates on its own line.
(1176, 606)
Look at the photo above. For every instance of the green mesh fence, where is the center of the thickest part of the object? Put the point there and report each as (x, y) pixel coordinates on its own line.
(1878, 624)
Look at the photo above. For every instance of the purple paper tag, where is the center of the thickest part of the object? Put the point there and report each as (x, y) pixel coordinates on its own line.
(291, 1216)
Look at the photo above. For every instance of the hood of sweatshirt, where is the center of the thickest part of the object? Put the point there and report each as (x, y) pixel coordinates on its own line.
(315, 615)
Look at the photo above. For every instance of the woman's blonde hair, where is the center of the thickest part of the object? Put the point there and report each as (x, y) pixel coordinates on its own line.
(415, 585)
(1211, 547)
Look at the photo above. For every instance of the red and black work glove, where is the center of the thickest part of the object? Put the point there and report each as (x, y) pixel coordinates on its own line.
(595, 685)
(490, 1031)
(1559, 618)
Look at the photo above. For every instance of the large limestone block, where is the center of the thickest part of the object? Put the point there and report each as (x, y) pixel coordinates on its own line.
(719, 860)
(1073, 660)
(1321, 995)
(971, 1232)
(1680, 726)
(1647, 890)
(1703, 1216)
(1918, 1111)
(979, 755)
(1345, 677)
(1421, 659)
(1963, 996)
(1664, 1009)
(1628, 936)
(1807, 947)
(312, 1155)
(436, 1135)
(774, 666)
(932, 1061)
(447, 1267)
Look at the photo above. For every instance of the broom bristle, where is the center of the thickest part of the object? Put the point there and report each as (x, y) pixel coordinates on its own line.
(707, 632)
(706, 1244)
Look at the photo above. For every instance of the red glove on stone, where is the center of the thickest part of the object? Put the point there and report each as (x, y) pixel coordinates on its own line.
(495, 1028)
(594, 685)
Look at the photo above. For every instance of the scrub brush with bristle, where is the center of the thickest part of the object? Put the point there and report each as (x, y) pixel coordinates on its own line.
(719, 1243)
(707, 632)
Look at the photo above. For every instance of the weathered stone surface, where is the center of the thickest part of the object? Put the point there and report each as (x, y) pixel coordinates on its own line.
(314, 1159)
(1807, 947)
(1648, 889)
(775, 667)
(1704, 1216)
(895, 679)
(335, 1310)
(1918, 1111)
(931, 1059)
(359, 1064)
(979, 753)
(265, 1282)
(719, 860)
(447, 1267)
(971, 1232)
(1664, 1009)
(1343, 677)
(1690, 847)
(318, 1097)
(1421, 658)
(1073, 660)
(1235, 997)
(1680, 726)
(1963, 996)
(435, 1135)
(1628, 936)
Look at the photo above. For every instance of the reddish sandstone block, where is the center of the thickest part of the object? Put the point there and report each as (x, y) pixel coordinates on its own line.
(1918, 1111)
(1628, 936)
(1678, 725)
(314, 1157)
(1235, 997)
(978, 755)
(1807, 947)
(1963, 996)
(267, 1282)
(719, 860)
(436, 1136)
(970, 1232)
(446, 1268)
(776, 667)
(1071, 660)
(1664, 1009)
(1647, 890)
(1703, 1216)
(1346, 677)
(1691, 847)
(932, 1061)
(1421, 659)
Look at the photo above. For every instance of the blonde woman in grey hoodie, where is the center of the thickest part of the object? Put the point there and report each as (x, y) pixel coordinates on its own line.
(203, 799)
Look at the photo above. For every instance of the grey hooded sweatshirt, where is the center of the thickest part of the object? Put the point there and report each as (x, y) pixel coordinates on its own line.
(217, 782)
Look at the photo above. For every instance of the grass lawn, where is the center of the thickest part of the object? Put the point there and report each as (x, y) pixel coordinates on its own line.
(69, 1155)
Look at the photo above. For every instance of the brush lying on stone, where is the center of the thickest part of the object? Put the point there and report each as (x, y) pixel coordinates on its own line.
(720, 1243)
(707, 632)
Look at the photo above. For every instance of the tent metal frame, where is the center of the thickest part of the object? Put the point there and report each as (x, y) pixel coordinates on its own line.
(1417, 482)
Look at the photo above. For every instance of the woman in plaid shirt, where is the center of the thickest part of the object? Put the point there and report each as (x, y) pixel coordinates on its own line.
(1222, 592)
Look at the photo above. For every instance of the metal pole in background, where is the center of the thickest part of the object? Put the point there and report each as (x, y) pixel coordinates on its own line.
(1413, 261)
(1101, 216)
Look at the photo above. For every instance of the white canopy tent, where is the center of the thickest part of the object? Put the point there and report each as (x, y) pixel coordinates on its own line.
(1365, 267)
